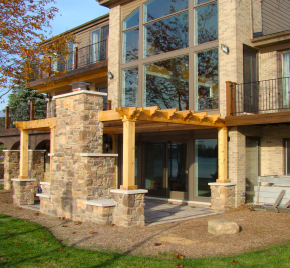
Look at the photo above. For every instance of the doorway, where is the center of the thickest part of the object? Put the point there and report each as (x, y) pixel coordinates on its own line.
(165, 168)
(252, 167)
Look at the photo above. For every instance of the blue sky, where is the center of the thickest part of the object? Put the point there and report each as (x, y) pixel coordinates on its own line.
(71, 14)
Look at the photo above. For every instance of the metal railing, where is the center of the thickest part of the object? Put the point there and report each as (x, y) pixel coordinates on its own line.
(260, 97)
(82, 56)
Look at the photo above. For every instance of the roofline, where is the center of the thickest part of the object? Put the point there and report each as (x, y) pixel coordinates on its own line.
(79, 27)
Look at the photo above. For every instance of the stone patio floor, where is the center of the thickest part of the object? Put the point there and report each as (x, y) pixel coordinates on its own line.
(159, 212)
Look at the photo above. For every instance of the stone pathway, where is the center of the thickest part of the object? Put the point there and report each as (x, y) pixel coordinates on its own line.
(158, 212)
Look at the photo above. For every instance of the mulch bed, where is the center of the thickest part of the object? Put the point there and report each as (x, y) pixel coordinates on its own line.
(259, 230)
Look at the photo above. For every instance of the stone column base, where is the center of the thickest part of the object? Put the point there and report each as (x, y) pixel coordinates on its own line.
(129, 209)
(222, 196)
(23, 191)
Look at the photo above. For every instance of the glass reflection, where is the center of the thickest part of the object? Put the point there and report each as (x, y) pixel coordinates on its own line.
(132, 20)
(166, 35)
(153, 11)
(198, 2)
(206, 165)
(206, 25)
(130, 87)
(177, 167)
(130, 45)
(207, 81)
(166, 84)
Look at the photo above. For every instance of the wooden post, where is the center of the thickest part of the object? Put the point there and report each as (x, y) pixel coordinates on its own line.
(7, 118)
(76, 57)
(50, 62)
(223, 155)
(231, 98)
(128, 155)
(32, 110)
(109, 105)
(23, 172)
(115, 150)
(52, 137)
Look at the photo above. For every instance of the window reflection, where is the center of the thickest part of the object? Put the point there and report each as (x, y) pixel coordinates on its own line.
(206, 26)
(198, 2)
(130, 87)
(166, 84)
(130, 45)
(207, 80)
(206, 166)
(166, 35)
(157, 8)
(132, 20)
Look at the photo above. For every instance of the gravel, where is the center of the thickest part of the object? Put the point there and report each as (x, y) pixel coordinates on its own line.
(259, 230)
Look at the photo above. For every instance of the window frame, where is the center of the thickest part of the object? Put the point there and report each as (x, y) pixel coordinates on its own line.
(191, 51)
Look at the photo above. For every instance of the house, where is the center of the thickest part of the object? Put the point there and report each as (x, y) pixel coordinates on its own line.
(198, 107)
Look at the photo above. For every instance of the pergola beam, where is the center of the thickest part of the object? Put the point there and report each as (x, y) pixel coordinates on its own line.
(152, 114)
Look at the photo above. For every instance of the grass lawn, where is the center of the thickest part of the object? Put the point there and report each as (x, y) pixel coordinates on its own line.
(1, 187)
(25, 244)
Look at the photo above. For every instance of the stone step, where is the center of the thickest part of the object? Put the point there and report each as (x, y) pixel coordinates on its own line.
(101, 203)
(46, 195)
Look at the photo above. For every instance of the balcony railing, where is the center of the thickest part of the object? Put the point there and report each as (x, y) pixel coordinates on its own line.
(260, 97)
(82, 56)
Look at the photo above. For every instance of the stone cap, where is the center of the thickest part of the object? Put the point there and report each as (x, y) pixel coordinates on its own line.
(138, 191)
(16, 179)
(222, 184)
(44, 195)
(101, 94)
(50, 154)
(43, 151)
(101, 203)
(11, 150)
(44, 183)
(98, 154)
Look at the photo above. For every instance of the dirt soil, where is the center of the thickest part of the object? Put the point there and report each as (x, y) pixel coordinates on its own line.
(259, 230)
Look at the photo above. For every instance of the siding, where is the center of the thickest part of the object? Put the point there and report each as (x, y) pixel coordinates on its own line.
(276, 16)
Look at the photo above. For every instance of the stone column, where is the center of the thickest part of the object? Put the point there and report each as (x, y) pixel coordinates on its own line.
(129, 209)
(23, 191)
(11, 167)
(76, 173)
(36, 164)
(222, 196)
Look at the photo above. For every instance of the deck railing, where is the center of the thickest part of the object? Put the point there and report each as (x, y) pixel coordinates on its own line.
(260, 97)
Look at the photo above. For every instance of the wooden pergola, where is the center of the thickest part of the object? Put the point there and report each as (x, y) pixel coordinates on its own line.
(24, 127)
(148, 117)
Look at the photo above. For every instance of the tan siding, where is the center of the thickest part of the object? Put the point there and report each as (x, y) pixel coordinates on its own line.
(128, 8)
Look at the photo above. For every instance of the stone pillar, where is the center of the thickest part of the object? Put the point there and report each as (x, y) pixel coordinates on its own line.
(23, 191)
(129, 209)
(36, 164)
(11, 167)
(79, 171)
(222, 196)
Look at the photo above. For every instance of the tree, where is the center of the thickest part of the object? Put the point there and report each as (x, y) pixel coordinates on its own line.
(19, 104)
(24, 27)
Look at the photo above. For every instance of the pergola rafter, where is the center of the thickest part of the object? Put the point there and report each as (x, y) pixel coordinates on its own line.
(153, 114)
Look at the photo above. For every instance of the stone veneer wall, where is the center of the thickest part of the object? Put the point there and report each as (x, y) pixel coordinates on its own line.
(76, 178)
(23, 192)
(11, 167)
(222, 197)
(36, 164)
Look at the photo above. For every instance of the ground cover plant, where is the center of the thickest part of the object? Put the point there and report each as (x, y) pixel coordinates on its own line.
(26, 244)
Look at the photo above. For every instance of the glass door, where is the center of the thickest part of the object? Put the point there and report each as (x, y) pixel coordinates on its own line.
(177, 170)
(154, 169)
(206, 166)
(252, 167)
(95, 46)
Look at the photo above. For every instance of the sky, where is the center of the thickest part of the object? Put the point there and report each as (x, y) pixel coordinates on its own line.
(71, 14)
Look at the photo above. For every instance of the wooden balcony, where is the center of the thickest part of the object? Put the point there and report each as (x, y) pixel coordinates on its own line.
(260, 102)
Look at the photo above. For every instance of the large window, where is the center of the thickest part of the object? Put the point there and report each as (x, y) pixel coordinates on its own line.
(170, 55)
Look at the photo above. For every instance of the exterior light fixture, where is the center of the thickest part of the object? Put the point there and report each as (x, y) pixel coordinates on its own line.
(79, 86)
(225, 49)
(110, 75)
